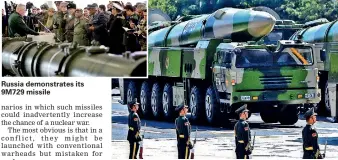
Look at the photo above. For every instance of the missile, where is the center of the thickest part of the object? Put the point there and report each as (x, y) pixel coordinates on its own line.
(327, 32)
(239, 25)
(42, 59)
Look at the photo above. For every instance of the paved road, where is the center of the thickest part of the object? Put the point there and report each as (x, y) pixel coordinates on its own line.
(272, 140)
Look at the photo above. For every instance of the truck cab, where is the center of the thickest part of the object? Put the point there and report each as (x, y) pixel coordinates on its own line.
(274, 83)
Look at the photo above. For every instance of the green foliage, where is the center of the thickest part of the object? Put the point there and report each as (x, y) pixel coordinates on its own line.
(297, 10)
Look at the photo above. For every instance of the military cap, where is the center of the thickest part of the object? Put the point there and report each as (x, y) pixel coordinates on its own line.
(89, 6)
(44, 6)
(242, 109)
(309, 113)
(180, 107)
(118, 6)
(133, 102)
(129, 7)
(64, 4)
(71, 6)
(78, 9)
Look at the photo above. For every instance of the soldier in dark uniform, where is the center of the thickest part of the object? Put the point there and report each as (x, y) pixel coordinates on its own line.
(242, 134)
(134, 124)
(183, 130)
(310, 137)
(115, 30)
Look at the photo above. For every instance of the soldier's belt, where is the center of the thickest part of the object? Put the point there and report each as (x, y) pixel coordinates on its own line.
(131, 128)
(241, 141)
(181, 136)
(309, 148)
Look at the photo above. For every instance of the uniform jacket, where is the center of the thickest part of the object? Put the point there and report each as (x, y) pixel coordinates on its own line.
(310, 142)
(17, 25)
(183, 130)
(134, 127)
(242, 136)
(80, 33)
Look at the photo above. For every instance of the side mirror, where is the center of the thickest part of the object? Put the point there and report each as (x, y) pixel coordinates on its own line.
(322, 55)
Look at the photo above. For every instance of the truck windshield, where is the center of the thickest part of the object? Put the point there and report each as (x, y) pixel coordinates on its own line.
(255, 58)
(294, 56)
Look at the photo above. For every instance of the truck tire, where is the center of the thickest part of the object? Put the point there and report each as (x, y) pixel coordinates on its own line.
(145, 97)
(288, 115)
(167, 102)
(327, 101)
(156, 100)
(196, 104)
(132, 94)
(269, 114)
(211, 107)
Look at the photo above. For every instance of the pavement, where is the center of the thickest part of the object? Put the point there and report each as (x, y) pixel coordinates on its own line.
(272, 140)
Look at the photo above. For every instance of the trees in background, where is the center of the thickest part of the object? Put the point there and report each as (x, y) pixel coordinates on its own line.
(297, 10)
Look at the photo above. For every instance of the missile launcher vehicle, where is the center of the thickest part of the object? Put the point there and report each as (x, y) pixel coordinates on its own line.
(212, 64)
(325, 38)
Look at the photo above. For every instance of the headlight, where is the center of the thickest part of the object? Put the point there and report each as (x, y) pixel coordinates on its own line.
(309, 95)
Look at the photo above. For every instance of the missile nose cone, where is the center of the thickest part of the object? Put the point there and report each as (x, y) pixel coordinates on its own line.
(261, 24)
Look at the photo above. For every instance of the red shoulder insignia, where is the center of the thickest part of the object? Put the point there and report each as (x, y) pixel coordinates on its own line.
(314, 134)
(186, 123)
(135, 119)
(246, 128)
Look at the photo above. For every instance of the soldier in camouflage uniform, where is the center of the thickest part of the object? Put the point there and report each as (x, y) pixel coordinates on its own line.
(80, 34)
(60, 23)
(183, 130)
(142, 31)
(134, 125)
(44, 16)
(310, 137)
(70, 19)
(242, 134)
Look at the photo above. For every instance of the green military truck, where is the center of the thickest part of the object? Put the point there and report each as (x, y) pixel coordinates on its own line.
(193, 62)
(325, 39)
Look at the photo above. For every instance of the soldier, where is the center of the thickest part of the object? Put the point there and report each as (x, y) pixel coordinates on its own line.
(115, 30)
(130, 12)
(60, 23)
(49, 22)
(43, 16)
(183, 130)
(80, 34)
(86, 13)
(310, 137)
(142, 31)
(70, 19)
(134, 124)
(242, 134)
(16, 24)
(92, 11)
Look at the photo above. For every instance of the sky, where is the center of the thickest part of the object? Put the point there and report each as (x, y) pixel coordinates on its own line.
(79, 3)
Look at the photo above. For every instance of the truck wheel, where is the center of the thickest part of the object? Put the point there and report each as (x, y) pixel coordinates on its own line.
(131, 92)
(156, 100)
(327, 100)
(145, 96)
(167, 102)
(269, 114)
(196, 104)
(211, 106)
(288, 115)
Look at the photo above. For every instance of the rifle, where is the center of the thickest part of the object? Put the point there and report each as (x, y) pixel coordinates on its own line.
(253, 142)
(192, 150)
(141, 143)
(325, 149)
